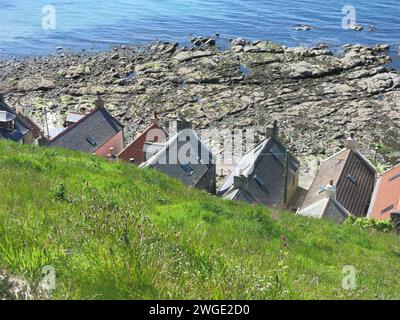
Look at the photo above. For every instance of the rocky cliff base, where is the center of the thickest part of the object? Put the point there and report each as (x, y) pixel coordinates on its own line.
(318, 97)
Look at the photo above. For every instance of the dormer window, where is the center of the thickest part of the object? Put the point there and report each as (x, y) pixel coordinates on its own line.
(91, 141)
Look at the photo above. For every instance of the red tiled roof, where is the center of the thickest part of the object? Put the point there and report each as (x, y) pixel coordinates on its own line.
(386, 198)
(135, 148)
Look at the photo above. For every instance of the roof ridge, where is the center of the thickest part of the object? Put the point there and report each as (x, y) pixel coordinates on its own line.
(334, 155)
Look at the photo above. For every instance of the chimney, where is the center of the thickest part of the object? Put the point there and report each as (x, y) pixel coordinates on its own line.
(330, 191)
(43, 139)
(240, 181)
(155, 120)
(111, 156)
(351, 143)
(272, 131)
(99, 103)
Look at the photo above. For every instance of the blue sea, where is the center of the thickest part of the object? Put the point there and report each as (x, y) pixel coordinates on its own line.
(97, 25)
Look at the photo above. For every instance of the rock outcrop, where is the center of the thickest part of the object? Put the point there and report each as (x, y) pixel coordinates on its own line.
(316, 96)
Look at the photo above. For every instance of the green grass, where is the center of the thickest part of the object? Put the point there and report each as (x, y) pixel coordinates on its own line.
(113, 231)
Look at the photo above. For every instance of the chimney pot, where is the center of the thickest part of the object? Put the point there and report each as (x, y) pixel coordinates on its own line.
(239, 182)
(330, 191)
(99, 102)
(351, 143)
(155, 119)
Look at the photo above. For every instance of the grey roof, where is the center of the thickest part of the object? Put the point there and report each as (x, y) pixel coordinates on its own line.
(263, 168)
(197, 162)
(326, 208)
(89, 133)
(74, 117)
(6, 116)
(21, 128)
(55, 131)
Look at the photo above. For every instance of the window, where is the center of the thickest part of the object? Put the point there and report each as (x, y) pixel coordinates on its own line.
(395, 177)
(387, 209)
(260, 183)
(188, 169)
(353, 179)
(91, 141)
(322, 189)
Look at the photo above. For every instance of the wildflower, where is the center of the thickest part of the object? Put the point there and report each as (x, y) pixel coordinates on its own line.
(284, 241)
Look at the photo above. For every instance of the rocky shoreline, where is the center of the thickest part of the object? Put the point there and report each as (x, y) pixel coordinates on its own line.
(317, 97)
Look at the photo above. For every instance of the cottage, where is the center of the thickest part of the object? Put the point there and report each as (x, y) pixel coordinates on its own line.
(267, 175)
(98, 133)
(184, 157)
(16, 126)
(135, 151)
(343, 185)
(327, 206)
(386, 196)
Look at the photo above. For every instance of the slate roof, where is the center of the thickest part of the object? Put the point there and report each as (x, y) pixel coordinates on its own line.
(326, 208)
(21, 128)
(263, 168)
(386, 196)
(89, 133)
(74, 117)
(354, 177)
(199, 161)
(54, 131)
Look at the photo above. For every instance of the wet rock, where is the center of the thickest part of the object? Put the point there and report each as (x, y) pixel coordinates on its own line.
(303, 27)
(184, 56)
(238, 42)
(357, 27)
(199, 41)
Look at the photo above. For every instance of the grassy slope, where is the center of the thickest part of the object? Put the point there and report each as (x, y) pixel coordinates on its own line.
(121, 232)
